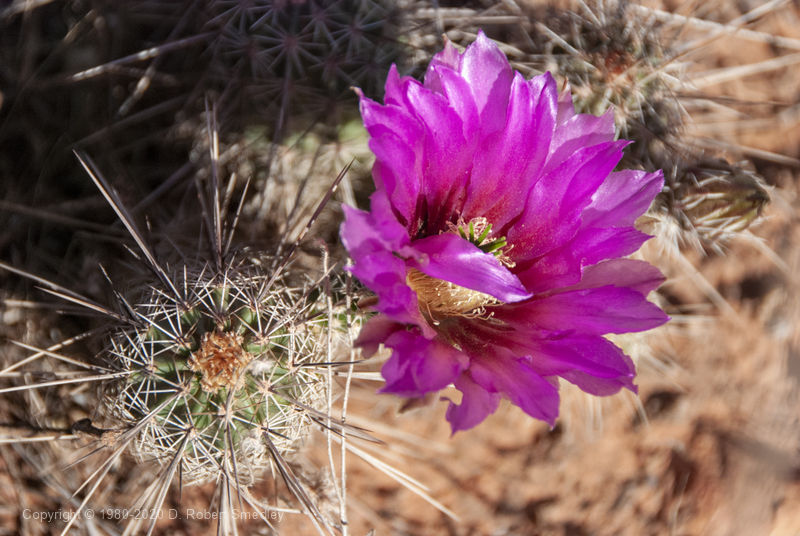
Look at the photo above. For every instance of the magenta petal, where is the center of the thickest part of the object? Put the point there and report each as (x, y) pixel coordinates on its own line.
(454, 259)
(364, 233)
(488, 73)
(548, 355)
(393, 88)
(552, 214)
(510, 160)
(378, 120)
(599, 386)
(577, 132)
(374, 333)
(457, 92)
(397, 141)
(596, 311)
(640, 276)
(574, 358)
(595, 245)
(498, 370)
(562, 267)
(447, 155)
(476, 404)
(385, 274)
(400, 177)
(596, 365)
(449, 57)
(566, 107)
(556, 269)
(419, 365)
(373, 238)
(623, 197)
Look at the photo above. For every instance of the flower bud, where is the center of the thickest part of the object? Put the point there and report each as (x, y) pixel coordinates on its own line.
(720, 198)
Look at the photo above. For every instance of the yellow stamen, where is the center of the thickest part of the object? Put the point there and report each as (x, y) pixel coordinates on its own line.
(442, 298)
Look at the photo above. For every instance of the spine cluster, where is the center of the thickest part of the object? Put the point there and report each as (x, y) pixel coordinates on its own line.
(214, 370)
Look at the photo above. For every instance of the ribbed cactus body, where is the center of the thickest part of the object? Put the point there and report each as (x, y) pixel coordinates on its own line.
(213, 371)
(302, 57)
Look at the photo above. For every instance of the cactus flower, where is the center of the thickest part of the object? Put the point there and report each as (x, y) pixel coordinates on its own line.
(496, 237)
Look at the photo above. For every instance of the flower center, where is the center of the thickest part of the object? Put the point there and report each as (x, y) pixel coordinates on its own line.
(443, 298)
(219, 359)
(477, 232)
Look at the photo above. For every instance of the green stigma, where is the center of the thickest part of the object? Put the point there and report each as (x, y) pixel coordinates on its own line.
(477, 232)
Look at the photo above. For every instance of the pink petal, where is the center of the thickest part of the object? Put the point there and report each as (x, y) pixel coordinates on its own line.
(596, 311)
(553, 209)
(374, 333)
(498, 370)
(419, 365)
(454, 259)
(476, 404)
(373, 238)
(364, 233)
(623, 197)
(385, 274)
(599, 386)
(567, 353)
(446, 155)
(398, 171)
(488, 73)
(379, 120)
(566, 108)
(458, 94)
(511, 160)
(393, 89)
(563, 266)
(449, 57)
(572, 356)
(577, 132)
(640, 276)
